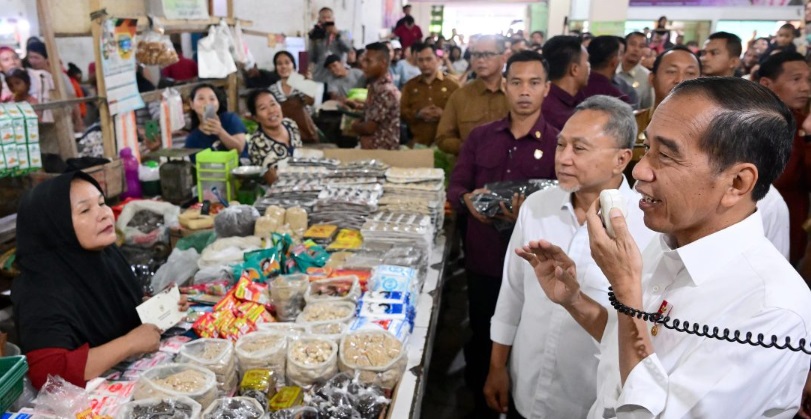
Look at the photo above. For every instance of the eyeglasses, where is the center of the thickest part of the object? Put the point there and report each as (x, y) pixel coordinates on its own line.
(486, 55)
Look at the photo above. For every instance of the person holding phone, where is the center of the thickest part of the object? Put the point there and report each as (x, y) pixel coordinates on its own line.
(212, 126)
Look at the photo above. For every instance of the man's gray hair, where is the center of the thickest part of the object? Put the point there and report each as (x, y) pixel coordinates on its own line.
(500, 41)
(621, 122)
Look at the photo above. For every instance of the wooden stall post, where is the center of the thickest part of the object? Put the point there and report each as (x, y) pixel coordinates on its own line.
(62, 116)
(107, 134)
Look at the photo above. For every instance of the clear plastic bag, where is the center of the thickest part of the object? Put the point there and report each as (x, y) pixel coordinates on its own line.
(345, 288)
(289, 330)
(333, 331)
(263, 350)
(154, 48)
(216, 355)
(159, 408)
(234, 408)
(375, 356)
(343, 396)
(287, 294)
(236, 221)
(328, 311)
(172, 380)
(61, 398)
(301, 412)
(181, 265)
(135, 237)
(311, 359)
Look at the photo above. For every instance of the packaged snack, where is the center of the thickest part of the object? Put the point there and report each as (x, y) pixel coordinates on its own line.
(216, 355)
(263, 264)
(311, 359)
(328, 311)
(258, 384)
(173, 380)
(286, 398)
(296, 218)
(321, 232)
(234, 408)
(263, 350)
(346, 240)
(374, 356)
(345, 288)
(344, 397)
(178, 407)
(375, 310)
(173, 344)
(363, 274)
(247, 290)
(287, 293)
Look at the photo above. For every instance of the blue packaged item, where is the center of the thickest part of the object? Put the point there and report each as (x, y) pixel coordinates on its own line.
(387, 297)
(399, 328)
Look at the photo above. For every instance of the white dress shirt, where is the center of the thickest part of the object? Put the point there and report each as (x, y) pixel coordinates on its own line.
(734, 279)
(774, 211)
(553, 361)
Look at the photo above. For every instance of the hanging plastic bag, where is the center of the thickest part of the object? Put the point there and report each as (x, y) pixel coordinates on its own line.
(155, 48)
(242, 54)
(214, 59)
(172, 118)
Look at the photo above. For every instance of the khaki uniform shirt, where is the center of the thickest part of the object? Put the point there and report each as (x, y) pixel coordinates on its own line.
(416, 95)
(468, 107)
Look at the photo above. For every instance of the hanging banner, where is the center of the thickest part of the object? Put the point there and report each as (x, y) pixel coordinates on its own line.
(722, 3)
(118, 65)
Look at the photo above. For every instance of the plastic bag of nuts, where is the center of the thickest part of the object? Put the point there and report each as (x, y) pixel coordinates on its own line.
(333, 331)
(287, 294)
(154, 48)
(374, 356)
(263, 350)
(216, 355)
(172, 380)
(328, 311)
(311, 359)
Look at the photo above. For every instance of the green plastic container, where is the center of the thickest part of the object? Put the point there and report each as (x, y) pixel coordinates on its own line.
(13, 369)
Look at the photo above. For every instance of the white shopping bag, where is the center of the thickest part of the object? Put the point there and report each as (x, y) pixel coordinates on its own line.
(214, 59)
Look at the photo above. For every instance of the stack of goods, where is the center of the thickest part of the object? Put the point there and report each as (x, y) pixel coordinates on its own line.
(19, 140)
(390, 301)
(415, 191)
(346, 206)
(237, 314)
(291, 191)
(407, 228)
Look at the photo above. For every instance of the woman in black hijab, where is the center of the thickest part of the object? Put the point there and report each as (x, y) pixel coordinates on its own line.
(74, 302)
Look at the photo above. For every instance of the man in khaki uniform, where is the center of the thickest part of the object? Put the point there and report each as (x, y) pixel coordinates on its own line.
(424, 98)
(478, 102)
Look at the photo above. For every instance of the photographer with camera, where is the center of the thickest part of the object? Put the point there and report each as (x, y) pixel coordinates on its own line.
(326, 40)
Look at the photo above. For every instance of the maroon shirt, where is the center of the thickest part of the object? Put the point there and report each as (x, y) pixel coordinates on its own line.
(601, 85)
(492, 154)
(408, 36)
(558, 107)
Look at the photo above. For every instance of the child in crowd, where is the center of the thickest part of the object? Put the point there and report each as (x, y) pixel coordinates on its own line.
(19, 82)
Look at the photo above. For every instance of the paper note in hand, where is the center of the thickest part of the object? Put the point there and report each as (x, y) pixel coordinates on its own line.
(162, 310)
(308, 87)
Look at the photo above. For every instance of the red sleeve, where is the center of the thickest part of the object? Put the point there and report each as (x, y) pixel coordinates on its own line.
(69, 365)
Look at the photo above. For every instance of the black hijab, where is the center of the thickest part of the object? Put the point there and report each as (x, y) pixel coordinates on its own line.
(67, 296)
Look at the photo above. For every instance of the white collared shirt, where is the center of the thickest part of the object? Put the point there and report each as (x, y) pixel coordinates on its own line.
(735, 279)
(553, 361)
(774, 212)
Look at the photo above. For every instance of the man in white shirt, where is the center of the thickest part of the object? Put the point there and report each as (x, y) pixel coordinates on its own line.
(714, 147)
(552, 361)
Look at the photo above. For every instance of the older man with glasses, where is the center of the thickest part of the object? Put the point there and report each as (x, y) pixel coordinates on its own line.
(480, 101)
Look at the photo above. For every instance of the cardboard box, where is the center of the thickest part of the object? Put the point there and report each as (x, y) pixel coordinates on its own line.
(17, 122)
(23, 161)
(6, 128)
(395, 158)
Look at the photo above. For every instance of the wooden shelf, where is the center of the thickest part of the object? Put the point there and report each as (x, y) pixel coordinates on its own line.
(170, 26)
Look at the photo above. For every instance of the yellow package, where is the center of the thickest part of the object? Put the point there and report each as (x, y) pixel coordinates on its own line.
(346, 240)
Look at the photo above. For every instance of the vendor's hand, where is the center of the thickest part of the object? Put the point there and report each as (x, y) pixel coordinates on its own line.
(555, 271)
(271, 176)
(516, 203)
(183, 304)
(805, 403)
(472, 209)
(619, 258)
(807, 124)
(355, 104)
(367, 142)
(497, 389)
(145, 338)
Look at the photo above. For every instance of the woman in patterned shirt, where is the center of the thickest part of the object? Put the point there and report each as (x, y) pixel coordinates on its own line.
(275, 139)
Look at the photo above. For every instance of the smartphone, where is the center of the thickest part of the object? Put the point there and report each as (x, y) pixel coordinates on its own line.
(210, 112)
